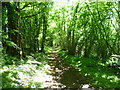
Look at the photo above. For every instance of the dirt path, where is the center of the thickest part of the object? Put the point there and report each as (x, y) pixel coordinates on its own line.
(62, 75)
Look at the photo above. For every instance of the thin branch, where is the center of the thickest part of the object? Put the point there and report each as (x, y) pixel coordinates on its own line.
(117, 12)
(24, 6)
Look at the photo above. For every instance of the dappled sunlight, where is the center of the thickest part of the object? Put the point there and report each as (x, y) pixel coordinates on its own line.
(59, 74)
(27, 75)
(98, 73)
(85, 86)
(63, 74)
(60, 44)
(101, 76)
(56, 73)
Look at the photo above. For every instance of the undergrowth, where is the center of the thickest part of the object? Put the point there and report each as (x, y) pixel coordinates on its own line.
(101, 76)
(22, 75)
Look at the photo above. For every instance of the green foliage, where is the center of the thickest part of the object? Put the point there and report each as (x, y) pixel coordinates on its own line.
(86, 28)
(33, 85)
(41, 57)
(113, 60)
(20, 76)
(63, 53)
(10, 60)
(88, 32)
(99, 74)
(8, 80)
(12, 44)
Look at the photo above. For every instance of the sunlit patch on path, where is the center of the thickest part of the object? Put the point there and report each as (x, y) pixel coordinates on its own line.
(62, 75)
(55, 74)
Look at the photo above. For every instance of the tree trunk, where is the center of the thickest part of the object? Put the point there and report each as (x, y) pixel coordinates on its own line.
(44, 32)
(13, 32)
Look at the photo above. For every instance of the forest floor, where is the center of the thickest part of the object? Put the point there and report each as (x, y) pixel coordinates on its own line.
(49, 70)
(62, 75)
(54, 73)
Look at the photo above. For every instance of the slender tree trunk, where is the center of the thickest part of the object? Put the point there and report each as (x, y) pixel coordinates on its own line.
(72, 49)
(68, 40)
(44, 32)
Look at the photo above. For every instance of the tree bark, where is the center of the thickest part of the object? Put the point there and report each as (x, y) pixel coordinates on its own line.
(13, 32)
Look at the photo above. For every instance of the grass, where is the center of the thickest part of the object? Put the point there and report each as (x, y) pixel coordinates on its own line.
(100, 75)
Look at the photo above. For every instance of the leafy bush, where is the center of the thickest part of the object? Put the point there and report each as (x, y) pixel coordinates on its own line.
(9, 60)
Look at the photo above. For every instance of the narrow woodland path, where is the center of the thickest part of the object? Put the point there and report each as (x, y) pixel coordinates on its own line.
(63, 75)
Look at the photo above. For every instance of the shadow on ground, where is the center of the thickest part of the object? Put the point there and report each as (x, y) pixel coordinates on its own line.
(64, 73)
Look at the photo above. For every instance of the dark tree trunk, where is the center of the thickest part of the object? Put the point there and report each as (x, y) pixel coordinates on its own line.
(13, 32)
